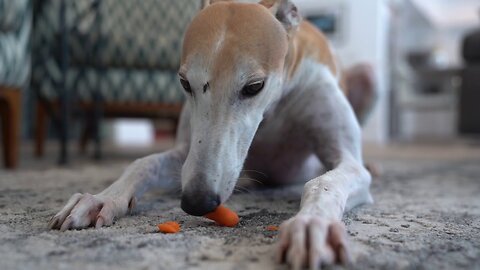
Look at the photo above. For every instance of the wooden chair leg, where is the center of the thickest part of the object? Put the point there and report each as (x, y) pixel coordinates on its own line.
(86, 134)
(40, 129)
(175, 122)
(10, 114)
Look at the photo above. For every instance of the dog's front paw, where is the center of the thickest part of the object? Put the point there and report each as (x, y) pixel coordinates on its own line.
(84, 210)
(308, 240)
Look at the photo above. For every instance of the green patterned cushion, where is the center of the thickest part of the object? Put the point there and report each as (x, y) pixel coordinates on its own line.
(139, 34)
(115, 85)
(11, 14)
(45, 43)
(140, 43)
(134, 34)
(14, 43)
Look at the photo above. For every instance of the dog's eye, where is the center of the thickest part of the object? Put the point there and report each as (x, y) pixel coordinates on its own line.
(253, 89)
(186, 85)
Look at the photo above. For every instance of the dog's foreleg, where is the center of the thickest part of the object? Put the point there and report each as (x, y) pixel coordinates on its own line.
(83, 210)
(163, 169)
(318, 222)
(316, 234)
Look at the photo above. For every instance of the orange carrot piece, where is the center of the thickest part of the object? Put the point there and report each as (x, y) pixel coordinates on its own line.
(169, 227)
(173, 224)
(223, 216)
(272, 228)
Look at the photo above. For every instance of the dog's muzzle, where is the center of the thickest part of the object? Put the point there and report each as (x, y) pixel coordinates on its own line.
(198, 200)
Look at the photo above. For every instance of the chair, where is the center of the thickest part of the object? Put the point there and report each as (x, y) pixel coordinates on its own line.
(122, 60)
(469, 122)
(15, 27)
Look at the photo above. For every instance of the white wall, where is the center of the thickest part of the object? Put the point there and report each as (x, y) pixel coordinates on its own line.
(366, 26)
(437, 24)
(450, 13)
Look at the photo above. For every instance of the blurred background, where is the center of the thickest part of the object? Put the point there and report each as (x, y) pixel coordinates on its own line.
(90, 80)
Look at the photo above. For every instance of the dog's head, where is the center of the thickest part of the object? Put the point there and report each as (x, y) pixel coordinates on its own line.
(232, 70)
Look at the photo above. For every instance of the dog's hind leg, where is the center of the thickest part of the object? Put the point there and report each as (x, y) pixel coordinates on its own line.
(361, 90)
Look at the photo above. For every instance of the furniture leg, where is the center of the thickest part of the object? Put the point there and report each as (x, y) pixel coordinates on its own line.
(97, 119)
(10, 115)
(86, 132)
(65, 97)
(40, 129)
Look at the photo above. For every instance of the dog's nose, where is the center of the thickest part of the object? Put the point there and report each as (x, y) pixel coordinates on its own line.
(198, 202)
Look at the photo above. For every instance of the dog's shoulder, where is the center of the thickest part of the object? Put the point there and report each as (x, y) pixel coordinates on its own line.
(308, 42)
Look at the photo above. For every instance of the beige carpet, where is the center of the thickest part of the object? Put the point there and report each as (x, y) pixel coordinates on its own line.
(426, 216)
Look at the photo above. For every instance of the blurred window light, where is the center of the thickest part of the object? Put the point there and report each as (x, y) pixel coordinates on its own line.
(133, 133)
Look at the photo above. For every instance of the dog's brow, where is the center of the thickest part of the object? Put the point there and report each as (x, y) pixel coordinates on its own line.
(254, 76)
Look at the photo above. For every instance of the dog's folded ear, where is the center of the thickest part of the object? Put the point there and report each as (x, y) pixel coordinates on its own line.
(285, 11)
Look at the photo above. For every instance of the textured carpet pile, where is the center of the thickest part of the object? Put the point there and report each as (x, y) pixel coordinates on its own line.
(426, 215)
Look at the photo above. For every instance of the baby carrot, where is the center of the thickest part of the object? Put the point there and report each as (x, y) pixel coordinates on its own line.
(272, 228)
(169, 227)
(223, 216)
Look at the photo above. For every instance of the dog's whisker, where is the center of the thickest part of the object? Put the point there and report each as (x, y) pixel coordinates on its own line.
(239, 190)
(252, 180)
(255, 171)
(242, 190)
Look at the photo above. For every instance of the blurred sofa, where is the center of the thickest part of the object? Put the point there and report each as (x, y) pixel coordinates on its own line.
(122, 53)
(15, 29)
(470, 94)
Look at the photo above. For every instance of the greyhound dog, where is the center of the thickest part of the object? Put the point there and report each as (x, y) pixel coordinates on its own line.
(263, 94)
